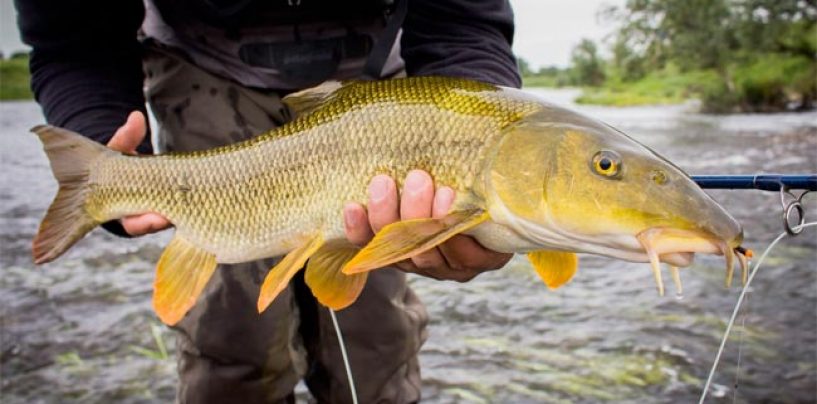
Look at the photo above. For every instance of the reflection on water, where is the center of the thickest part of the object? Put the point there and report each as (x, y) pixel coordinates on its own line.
(79, 329)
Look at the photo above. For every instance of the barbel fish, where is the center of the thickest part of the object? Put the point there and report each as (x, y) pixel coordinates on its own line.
(530, 177)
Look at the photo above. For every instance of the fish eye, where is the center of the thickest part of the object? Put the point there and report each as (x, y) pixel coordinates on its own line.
(607, 163)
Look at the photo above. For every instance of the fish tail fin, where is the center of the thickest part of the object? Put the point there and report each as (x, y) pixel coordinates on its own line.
(67, 220)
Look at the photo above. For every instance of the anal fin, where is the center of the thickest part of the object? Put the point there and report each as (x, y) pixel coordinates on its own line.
(181, 274)
(401, 240)
(554, 267)
(329, 284)
(279, 276)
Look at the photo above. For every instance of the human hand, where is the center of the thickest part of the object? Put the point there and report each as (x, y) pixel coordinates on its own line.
(125, 140)
(460, 258)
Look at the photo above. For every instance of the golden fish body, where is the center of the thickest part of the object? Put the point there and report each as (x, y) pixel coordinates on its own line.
(264, 197)
(523, 172)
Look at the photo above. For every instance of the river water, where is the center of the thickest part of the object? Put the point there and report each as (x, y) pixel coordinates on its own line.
(80, 329)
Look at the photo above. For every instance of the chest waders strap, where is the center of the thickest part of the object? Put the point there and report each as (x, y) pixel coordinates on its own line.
(381, 50)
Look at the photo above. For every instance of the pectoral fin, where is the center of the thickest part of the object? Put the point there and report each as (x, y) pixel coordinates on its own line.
(329, 285)
(181, 275)
(554, 267)
(401, 240)
(278, 277)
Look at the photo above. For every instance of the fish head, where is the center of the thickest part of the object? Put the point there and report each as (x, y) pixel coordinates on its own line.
(564, 181)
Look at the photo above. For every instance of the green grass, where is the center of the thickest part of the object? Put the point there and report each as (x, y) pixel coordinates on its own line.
(759, 83)
(541, 81)
(160, 353)
(765, 82)
(15, 79)
(668, 86)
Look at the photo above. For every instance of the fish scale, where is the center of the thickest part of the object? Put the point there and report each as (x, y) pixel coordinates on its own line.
(259, 198)
(529, 177)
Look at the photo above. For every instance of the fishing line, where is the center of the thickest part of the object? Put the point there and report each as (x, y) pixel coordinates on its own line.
(741, 297)
(345, 357)
(741, 335)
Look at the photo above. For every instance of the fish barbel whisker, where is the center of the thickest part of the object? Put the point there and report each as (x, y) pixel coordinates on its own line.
(743, 257)
(660, 243)
(730, 262)
(645, 238)
(676, 279)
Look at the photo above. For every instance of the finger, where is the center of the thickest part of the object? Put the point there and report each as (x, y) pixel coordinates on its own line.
(416, 202)
(144, 224)
(129, 135)
(409, 267)
(443, 199)
(383, 206)
(430, 260)
(356, 224)
(440, 273)
(466, 254)
(417, 196)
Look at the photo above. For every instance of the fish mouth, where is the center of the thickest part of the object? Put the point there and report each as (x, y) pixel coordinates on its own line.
(677, 247)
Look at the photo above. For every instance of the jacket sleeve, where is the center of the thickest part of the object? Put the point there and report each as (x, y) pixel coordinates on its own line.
(461, 38)
(86, 69)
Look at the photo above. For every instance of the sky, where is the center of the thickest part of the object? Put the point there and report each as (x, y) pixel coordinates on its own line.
(9, 37)
(546, 30)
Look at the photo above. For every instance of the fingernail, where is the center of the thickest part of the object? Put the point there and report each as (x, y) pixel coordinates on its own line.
(349, 217)
(444, 197)
(379, 188)
(415, 182)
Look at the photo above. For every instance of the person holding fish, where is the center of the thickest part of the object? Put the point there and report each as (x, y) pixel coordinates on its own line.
(214, 73)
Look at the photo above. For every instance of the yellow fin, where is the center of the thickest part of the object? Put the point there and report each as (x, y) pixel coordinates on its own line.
(279, 276)
(329, 285)
(554, 267)
(304, 101)
(181, 274)
(401, 240)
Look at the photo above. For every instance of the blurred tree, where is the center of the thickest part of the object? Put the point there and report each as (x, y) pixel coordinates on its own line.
(777, 26)
(586, 65)
(524, 67)
(628, 64)
(701, 34)
(763, 50)
(694, 34)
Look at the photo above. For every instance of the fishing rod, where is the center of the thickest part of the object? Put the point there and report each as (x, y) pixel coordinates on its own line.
(793, 210)
(764, 182)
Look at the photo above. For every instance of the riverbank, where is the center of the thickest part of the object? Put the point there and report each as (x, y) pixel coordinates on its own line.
(768, 83)
(661, 88)
(15, 79)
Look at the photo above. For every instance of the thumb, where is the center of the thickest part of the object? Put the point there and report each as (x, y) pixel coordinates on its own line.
(129, 135)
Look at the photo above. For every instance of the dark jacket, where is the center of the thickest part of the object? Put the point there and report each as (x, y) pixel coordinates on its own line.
(86, 59)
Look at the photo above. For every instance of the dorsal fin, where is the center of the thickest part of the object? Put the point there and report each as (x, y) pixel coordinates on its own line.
(307, 100)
